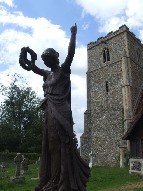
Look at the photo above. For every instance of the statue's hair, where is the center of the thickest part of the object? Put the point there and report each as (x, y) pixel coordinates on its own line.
(50, 52)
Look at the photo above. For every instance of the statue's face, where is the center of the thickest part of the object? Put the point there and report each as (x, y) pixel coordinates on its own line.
(49, 60)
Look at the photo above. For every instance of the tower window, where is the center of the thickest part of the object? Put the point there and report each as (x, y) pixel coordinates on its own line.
(107, 86)
(106, 55)
(138, 56)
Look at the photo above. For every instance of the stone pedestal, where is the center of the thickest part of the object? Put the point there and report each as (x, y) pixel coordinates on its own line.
(136, 166)
(17, 179)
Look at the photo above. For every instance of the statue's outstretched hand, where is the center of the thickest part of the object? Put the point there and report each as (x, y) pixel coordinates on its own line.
(74, 29)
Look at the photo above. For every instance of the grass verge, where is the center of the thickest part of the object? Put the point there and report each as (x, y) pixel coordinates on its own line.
(103, 178)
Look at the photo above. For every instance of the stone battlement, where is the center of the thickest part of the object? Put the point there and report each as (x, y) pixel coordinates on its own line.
(110, 35)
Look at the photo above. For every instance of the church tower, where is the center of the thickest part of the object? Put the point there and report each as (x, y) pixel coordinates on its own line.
(114, 83)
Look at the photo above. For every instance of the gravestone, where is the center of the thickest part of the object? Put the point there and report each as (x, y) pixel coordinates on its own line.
(3, 170)
(24, 166)
(38, 164)
(17, 178)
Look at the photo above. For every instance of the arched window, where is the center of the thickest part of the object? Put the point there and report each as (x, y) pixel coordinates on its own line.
(106, 55)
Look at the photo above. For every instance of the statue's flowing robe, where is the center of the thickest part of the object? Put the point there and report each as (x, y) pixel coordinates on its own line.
(62, 168)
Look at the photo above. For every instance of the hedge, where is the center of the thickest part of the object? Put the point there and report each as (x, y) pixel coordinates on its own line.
(9, 157)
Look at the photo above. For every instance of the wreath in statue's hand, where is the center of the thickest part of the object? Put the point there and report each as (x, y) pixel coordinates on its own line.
(24, 62)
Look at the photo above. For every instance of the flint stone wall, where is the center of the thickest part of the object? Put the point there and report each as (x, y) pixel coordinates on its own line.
(105, 126)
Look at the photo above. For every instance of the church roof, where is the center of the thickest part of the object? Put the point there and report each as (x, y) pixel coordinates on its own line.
(138, 115)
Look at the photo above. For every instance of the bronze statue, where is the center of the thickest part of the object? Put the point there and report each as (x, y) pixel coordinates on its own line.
(61, 167)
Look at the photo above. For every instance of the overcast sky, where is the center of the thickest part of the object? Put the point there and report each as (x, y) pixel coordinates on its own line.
(42, 24)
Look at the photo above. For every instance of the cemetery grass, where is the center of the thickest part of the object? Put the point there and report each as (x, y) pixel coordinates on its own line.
(101, 179)
(28, 185)
(114, 179)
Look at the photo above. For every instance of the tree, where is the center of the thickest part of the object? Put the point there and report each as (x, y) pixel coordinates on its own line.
(20, 118)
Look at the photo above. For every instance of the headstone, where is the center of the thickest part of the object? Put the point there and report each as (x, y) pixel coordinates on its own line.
(17, 161)
(24, 166)
(3, 169)
(38, 164)
(17, 178)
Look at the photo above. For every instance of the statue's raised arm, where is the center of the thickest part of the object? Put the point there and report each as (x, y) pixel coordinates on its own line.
(71, 49)
(30, 64)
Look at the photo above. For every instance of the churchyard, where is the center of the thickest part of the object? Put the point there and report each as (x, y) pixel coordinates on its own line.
(102, 178)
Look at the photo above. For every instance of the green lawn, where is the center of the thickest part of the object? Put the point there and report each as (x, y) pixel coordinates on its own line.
(102, 179)
(112, 178)
(6, 185)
